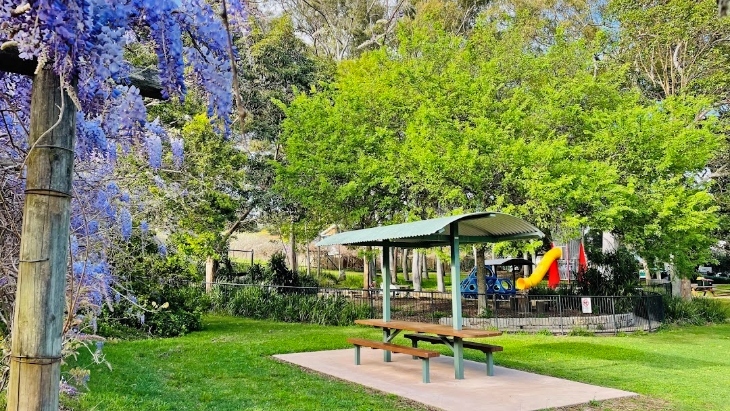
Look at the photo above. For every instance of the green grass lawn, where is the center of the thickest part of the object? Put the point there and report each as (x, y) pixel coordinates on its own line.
(228, 367)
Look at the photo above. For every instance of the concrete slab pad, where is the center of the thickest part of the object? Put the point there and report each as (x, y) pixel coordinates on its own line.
(507, 390)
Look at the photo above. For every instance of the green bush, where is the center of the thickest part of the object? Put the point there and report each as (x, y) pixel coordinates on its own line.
(580, 332)
(614, 273)
(268, 303)
(697, 311)
(157, 295)
(274, 273)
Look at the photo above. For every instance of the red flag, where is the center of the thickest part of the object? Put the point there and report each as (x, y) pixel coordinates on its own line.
(553, 274)
(582, 260)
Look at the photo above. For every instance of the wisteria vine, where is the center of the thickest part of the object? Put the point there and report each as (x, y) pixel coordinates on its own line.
(84, 42)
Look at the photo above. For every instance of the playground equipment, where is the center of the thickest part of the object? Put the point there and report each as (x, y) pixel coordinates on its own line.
(541, 269)
(503, 288)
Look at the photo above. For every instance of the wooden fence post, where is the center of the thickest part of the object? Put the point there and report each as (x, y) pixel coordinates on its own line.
(40, 298)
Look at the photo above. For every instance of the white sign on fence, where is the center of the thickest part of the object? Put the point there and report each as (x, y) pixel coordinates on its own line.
(586, 303)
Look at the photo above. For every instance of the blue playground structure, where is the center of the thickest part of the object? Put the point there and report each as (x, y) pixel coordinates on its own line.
(501, 288)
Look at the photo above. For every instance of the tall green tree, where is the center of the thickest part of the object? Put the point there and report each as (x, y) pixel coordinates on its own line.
(448, 122)
(279, 65)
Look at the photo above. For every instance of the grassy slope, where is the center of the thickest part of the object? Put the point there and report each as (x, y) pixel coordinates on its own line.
(227, 367)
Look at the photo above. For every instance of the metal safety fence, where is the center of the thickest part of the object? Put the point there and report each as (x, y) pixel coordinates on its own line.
(558, 314)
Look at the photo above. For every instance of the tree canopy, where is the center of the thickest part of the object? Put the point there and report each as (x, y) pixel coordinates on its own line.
(488, 120)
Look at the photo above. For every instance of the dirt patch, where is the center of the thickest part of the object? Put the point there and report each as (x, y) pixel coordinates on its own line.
(638, 403)
(263, 244)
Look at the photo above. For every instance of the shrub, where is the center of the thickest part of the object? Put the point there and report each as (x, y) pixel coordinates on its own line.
(697, 311)
(580, 332)
(274, 273)
(156, 295)
(613, 273)
(268, 303)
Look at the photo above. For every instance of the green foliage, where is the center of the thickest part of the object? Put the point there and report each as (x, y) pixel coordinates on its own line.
(613, 273)
(268, 303)
(351, 281)
(276, 272)
(157, 295)
(446, 123)
(696, 311)
(660, 37)
(580, 332)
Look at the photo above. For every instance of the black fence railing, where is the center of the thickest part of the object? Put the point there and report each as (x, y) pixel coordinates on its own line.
(559, 314)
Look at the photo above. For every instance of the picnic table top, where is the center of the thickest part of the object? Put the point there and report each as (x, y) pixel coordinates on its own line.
(437, 329)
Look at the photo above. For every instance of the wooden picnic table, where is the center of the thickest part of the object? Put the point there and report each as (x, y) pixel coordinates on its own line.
(703, 285)
(450, 336)
(438, 329)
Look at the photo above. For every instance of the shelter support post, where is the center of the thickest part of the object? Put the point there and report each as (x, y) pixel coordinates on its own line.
(386, 297)
(456, 301)
(386, 282)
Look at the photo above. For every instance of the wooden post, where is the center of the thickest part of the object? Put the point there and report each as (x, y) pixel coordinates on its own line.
(35, 363)
(210, 269)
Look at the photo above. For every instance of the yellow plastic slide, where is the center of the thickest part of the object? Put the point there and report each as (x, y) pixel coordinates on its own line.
(541, 269)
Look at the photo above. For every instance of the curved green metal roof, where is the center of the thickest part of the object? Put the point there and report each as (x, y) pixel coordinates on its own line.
(484, 227)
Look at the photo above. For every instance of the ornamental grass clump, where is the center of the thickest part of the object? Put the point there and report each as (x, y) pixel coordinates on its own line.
(268, 303)
(697, 311)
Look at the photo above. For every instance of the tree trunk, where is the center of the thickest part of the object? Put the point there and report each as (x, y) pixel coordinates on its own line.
(211, 266)
(440, 275)
(393, 266)
(416, 267)
(686, 289)
(319, 261)
(481, 281)
(35, 363)
(424, 264)
(365, 272)
(404, 263)
(368, 268)
(309, 262)
(293, 246)
(340, 270)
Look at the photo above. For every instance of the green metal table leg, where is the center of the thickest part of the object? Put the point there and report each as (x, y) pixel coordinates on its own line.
(357, 355)
(426, 374)
(386, 353)
(490, 364)
(458, 358)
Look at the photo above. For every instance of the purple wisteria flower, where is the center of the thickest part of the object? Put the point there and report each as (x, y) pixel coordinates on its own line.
(125, 221)
(154, 150)
(176, 145)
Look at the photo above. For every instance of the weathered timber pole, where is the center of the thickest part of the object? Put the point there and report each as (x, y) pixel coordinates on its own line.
(35, 363)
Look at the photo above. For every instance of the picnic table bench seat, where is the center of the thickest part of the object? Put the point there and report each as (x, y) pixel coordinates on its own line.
(487, 349)
(424, 355)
